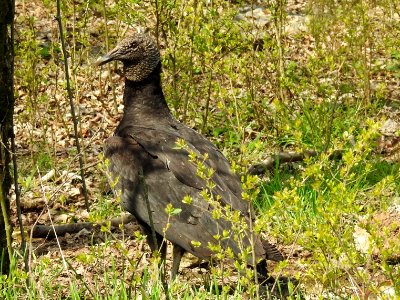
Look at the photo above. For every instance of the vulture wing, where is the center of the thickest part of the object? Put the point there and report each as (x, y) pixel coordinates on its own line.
(169, 177)
(161, 142)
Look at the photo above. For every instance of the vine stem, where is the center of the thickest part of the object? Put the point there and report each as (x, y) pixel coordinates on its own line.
(71, 102)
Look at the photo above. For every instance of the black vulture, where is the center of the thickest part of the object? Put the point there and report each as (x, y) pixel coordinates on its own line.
(152, 170)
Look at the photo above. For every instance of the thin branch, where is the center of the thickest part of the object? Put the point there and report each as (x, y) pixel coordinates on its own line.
(108, 49)
(71, 102)
(186, 100)
(205, 118)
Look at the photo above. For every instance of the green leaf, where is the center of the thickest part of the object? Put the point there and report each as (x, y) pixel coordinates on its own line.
(176, 211)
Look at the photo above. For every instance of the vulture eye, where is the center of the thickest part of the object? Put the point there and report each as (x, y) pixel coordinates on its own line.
(134, 46)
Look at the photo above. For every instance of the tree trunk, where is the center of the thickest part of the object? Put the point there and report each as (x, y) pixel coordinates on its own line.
(6, 115)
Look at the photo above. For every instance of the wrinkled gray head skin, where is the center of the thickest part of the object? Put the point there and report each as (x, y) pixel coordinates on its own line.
(139, 54)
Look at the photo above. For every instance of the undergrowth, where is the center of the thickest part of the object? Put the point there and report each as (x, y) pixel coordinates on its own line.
(253, 90)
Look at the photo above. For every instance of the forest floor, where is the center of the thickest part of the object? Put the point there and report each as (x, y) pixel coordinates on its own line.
(51, 187)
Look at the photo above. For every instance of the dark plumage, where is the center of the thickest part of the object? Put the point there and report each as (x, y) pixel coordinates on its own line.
(145, 140)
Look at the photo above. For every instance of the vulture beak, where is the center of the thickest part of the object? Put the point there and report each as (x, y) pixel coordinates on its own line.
(110, 56)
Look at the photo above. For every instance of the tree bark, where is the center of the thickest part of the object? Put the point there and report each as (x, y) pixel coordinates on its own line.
(6, 115)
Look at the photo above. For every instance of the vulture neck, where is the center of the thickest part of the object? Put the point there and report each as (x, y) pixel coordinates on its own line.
(144, 101)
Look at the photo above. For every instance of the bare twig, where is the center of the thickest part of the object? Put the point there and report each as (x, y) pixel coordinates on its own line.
(71, 102)
(108, 49)
(186, 100)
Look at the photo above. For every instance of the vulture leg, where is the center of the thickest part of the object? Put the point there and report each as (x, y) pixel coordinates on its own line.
(160, 246)
(262, 269)
(177, 254)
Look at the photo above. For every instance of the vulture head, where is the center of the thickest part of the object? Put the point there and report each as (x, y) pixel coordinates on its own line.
(139, 54)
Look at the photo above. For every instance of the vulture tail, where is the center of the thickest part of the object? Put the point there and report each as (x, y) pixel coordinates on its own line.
(272, 253)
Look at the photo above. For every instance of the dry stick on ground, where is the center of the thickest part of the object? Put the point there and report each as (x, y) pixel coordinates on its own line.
(284, 157)
(50, 232)
(71, 102)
